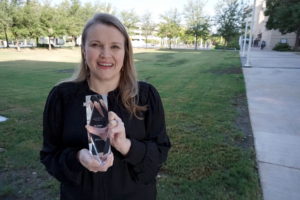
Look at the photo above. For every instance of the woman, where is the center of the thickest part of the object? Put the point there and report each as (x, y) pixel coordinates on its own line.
(136, 127)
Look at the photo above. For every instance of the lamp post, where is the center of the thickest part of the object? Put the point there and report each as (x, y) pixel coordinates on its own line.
(245, 38)
(250, 37)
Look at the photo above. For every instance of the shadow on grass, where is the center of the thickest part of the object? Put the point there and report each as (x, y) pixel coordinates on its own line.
(34, 65)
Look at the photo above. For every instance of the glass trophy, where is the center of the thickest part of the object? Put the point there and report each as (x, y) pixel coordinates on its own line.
(97, 118)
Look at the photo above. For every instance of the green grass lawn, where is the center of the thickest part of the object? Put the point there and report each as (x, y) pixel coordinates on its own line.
(212, 155)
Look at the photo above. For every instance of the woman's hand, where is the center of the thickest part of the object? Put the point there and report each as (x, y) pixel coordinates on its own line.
(117, 135)
(92, 164)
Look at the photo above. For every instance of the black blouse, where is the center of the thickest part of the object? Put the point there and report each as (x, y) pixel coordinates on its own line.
(132, 176)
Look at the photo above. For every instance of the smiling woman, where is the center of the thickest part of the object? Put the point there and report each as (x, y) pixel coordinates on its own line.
(104, 54)
(136, 124)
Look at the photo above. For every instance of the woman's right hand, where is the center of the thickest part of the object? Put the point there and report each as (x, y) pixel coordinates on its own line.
(91, 163)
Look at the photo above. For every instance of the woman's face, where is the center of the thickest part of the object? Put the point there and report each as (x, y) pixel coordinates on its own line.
(104, 52)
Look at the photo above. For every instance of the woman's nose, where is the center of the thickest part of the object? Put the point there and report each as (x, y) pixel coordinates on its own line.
(105, 52)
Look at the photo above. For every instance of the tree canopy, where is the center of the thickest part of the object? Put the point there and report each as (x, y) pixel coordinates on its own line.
(148, 26)
(284, 15)
(229, 19)
(170, 26)
(197, 24)
(21, 19)
(36, 19)
(129, 19)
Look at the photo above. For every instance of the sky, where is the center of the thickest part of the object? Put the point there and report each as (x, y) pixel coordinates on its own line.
(155, 7)
(158, 7)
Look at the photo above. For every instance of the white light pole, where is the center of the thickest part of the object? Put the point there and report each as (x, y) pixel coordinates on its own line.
(250, 37)
(245, 38)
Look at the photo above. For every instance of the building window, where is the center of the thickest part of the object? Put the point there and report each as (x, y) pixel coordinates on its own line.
(259, 36)
(283, 40)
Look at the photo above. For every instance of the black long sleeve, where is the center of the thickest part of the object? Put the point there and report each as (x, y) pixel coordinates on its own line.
(147, 155)
(60, 160)
(132, 176)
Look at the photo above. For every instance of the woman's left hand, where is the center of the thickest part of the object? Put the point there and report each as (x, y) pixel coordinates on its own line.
(117, 134)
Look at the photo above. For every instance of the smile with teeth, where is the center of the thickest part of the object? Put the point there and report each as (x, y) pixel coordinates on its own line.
(105, 64)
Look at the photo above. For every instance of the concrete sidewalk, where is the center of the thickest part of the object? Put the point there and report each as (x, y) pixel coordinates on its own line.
(273, 92)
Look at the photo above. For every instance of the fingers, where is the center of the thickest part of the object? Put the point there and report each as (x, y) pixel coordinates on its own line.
(113, 116)
(112, 123)
(117, 133)
(91, 162)
(110, 160)
(117, 129)
(94, 165)
(114, 120)
(103, 167)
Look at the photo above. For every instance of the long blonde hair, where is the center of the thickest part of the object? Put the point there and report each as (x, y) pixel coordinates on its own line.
(128, 85)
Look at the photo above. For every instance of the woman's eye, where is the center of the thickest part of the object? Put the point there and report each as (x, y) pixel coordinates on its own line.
(115, 47)
(94, 44)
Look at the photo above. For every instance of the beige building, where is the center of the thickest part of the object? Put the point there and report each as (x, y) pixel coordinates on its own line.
(271, 37)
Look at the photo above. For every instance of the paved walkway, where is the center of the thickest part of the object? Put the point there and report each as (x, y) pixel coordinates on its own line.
(273, 91)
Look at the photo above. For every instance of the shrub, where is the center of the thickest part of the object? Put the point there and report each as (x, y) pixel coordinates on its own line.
(282, 47)
(233, 44)
(219, 46)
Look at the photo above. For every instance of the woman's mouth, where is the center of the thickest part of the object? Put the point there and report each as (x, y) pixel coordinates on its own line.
(104, 65)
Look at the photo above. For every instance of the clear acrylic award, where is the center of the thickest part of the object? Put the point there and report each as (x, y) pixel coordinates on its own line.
(97, 118)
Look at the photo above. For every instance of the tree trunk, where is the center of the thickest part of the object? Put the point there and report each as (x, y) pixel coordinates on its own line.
(196, 42)
(297, 42)
(170, 43)
(18, 45)
(49, 44)
(161, 42)
(75, 38)
(73, 41)
(201, 42)
(146, 42)
(37, 41)
(6, 38)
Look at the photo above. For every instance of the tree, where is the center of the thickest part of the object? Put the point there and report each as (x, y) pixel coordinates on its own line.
(31, 20)
(229, 19)
(197, 24)
(130, 20)
(70, 18)
(5, 18)
(50, 22)
(199, 30)
(18, 27)
(87, 11)
(148, 26)
(187, 39)
(170, 27)
(105, 7)
(20, 19)
(284, 15)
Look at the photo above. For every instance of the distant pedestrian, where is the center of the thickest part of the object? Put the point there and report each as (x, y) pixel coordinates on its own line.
(263, 44)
